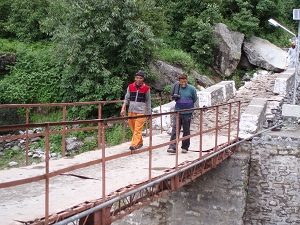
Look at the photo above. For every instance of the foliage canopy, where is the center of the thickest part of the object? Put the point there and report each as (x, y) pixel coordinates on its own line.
(90, 49)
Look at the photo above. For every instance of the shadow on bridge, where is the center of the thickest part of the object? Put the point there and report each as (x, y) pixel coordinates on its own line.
(100, 186)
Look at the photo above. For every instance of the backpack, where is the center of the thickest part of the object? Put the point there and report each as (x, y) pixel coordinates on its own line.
(175, 91)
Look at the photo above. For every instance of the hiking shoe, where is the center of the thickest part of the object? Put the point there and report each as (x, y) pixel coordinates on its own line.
(139, 146)
(132, 147)
(183, 150)
(171, 150)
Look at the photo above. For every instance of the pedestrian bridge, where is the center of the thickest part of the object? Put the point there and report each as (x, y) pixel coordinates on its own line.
(103, 185)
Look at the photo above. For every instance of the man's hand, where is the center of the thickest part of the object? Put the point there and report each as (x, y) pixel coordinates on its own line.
(123, 112)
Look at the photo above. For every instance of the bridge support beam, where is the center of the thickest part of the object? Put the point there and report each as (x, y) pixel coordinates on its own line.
(101, 217)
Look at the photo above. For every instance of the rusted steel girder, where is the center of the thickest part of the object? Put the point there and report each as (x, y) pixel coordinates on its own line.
(129, 203)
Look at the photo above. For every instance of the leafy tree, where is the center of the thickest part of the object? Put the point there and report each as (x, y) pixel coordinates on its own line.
(25, 18)
(239, 16)
(196, 34)
(35, 77)
(244, 22)
(4, 15)
(99, 44)
(203, 48)
(266, 9)
(155, 16)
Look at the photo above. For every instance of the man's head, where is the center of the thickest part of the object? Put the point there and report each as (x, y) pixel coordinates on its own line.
(139, 77)
(183, 80)
(293, 45)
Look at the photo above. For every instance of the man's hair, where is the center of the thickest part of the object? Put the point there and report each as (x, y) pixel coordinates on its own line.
(182, 76)
(140, 73)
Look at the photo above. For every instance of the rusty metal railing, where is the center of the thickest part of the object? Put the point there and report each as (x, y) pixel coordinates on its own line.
(65, 130)
(212, 121)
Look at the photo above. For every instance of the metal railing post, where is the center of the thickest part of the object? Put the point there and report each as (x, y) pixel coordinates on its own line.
(64, 129)
(177, 137)
(150, 148)
(160, 110)
(47, 179)
(103, 160)
(238, 121)
(27, 137)
(201, 133)
(99, 125)
(216, 127)
(229, 123)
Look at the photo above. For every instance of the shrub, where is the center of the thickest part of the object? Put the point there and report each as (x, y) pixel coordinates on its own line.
(34, 79)
(24, 20)
(117, 134)
(100, 44)
(176, 57)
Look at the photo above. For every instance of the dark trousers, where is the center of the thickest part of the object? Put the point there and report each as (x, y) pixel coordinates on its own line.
(185, 122)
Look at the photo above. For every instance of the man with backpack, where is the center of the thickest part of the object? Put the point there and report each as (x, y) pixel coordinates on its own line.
(185, 96)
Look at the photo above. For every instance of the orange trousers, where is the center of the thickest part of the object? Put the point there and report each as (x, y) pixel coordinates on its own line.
(136, 126)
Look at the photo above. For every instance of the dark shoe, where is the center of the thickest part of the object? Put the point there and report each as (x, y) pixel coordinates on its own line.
(183, 150)
(139, 146)
(135, 147)
(171, 150)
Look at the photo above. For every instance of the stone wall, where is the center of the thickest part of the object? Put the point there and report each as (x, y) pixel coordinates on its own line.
(218, 197)
(274, 183)
(284, 83)
(258, 185)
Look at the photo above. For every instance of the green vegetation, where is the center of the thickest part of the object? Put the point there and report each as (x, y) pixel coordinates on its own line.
(176, 57)
(34, 78)
(114, 135)
(15, 155)
(69, 51)
(117, 134)
(24, 19)
(89, 50)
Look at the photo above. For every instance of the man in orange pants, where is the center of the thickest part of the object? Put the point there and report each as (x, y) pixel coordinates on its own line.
(139, 100)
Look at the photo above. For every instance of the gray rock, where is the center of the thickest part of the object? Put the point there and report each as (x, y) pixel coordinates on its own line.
(13, 164)
(16, 148)
(73, 144)
(168, 75)
(90, 139)
(228, 52)
(53, 155)
(36, 156)
(264, 54)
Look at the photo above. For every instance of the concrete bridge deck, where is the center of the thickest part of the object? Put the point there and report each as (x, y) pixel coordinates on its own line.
(27, 202)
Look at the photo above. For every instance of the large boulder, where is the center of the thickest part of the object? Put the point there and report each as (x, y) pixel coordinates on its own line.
(6, 60)
(10, 116)
(244, 63)
(168, 74)
(228, 52)
(203, 80)
(264, 54)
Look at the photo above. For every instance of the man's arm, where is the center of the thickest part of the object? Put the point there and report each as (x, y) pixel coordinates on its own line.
(126, 102)
(148, 103)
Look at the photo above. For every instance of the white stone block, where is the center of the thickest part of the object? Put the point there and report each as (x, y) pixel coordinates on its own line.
(253, 118)
(284, 82)
(213, 95)
(291, 110)
(228, 88)
(166, 119)
(204, 98)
